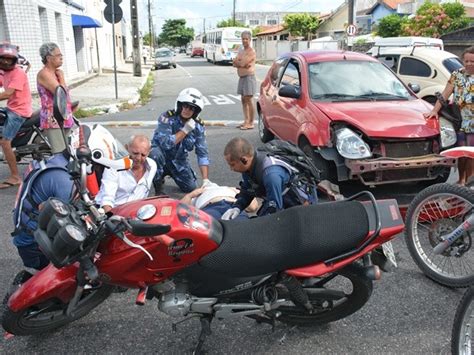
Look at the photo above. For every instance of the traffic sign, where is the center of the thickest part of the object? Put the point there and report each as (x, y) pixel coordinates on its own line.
(351, 30)
(118, 14)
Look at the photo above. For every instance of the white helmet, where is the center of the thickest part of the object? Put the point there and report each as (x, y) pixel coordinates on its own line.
(105, 149)
(190, 96)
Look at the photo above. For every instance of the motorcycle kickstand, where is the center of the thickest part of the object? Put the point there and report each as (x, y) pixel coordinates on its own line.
(205, 332)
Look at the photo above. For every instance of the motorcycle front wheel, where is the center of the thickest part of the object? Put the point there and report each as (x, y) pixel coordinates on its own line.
(461, 336)
(433, 213)
(340, 295)
(51, 314)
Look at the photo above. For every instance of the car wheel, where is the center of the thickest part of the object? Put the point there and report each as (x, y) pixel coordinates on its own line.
(264, 134)
(174, 66)
(326, 172)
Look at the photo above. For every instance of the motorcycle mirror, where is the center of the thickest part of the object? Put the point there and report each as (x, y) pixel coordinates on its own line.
(60, 105)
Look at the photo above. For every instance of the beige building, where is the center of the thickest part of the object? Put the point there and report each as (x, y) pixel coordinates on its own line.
(335, 23)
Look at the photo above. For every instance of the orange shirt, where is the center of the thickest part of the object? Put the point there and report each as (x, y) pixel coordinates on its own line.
(20, 101)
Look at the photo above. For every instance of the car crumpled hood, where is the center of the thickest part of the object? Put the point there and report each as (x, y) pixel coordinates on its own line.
(390, 119)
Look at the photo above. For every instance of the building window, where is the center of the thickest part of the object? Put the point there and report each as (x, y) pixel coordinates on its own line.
(254, 22)
(43, 17)
(59, 30)
(271, 22)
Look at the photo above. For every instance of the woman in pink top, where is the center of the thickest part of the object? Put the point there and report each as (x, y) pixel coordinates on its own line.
(47, 80)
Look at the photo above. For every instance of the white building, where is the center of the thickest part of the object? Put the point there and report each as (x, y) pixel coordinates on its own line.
(256, 19)
(72, 24)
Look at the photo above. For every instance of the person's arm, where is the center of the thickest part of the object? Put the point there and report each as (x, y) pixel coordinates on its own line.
(47, 80)
(274, 180)
(244, 197)
(202, 152)
(193, 194)
(6, 94)
(448, 90)
(108, 189)
(249, 59)
(151, 174)
(60, 76)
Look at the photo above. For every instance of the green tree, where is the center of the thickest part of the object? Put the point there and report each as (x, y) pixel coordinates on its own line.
(230, 23)
(390, 26)
(175, 33)
(147, 39)
(434, 20)
(301, 24)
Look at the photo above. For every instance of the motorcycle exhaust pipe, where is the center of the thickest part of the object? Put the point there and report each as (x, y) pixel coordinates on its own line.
(372, 272)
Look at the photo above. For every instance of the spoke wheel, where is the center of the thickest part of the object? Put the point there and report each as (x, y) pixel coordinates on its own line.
(433, 213)
(349, 290)
(461, 340)
(51, 314)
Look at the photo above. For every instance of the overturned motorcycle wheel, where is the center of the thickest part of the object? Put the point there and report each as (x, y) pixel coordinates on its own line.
(51, 314)
(340, 303)
(461, 336)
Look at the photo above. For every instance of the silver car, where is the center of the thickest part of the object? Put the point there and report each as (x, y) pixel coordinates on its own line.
(164, 58)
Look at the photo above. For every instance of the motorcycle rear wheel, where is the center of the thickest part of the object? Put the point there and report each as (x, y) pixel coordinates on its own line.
(461, 336)
(51, 314)
(434, 212)
(335, 310)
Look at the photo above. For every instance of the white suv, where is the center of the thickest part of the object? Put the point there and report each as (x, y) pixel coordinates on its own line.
(430, 68)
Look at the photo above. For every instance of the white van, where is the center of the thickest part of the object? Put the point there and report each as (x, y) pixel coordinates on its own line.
(428, 66)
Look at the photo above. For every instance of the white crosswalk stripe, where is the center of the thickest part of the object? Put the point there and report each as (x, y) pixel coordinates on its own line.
(227, 99)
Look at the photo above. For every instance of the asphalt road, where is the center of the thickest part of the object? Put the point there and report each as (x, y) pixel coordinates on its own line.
(407, 314)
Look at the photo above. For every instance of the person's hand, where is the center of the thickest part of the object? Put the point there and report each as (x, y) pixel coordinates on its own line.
(231, 213)
(431, 114)
(189, 126)
(206, 182)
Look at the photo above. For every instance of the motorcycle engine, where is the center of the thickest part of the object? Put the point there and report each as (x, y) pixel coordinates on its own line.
(176, 302)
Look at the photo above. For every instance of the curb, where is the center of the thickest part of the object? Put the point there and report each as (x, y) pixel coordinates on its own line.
(148, 124)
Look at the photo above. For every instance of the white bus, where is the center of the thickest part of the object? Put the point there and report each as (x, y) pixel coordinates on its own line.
(222, 44)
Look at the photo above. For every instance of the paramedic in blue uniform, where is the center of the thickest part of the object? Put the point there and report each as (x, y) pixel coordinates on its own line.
(178, 132)
(263, 176)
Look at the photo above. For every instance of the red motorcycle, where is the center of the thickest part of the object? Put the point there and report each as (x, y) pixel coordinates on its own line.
(304, 266)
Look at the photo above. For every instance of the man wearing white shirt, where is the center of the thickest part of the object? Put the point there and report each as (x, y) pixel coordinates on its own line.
(119, 187)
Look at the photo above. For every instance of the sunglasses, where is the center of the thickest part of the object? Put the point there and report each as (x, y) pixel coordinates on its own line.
(189, 107)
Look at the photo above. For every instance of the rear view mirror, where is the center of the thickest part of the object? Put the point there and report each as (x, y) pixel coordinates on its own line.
(60, 105)
(414, 87)
(290, 91)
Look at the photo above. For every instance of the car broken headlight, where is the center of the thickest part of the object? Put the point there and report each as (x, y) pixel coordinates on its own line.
(350, 145)
(447, 133)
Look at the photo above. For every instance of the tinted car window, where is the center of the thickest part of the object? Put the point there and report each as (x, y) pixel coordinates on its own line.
(162, 54)
(415, 67)
(452, 64)
(291, 75)
(277, 70)
(354, 80)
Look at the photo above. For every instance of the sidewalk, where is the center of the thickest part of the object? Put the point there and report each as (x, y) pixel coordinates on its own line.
(98, 91)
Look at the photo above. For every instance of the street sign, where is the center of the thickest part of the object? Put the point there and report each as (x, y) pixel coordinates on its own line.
(109, 2)
(351, 30)
(118, 14)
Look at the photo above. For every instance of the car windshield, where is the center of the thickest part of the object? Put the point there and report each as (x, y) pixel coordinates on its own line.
(354, 80)
(452, 64)
(162, 54)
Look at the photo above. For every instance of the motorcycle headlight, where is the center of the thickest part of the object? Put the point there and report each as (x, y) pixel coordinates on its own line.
(447, 133)
(350, 145)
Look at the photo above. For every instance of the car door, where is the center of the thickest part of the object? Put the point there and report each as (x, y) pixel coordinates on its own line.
(287, 111)
(269, 91)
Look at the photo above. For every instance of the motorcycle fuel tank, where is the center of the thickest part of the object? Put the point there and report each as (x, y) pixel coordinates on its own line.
(193, 234)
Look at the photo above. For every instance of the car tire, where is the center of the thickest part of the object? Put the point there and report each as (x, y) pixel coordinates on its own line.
(324, 167)
(174, 66)
(264, 134)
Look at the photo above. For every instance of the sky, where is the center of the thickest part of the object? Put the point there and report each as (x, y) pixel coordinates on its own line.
(212, 11)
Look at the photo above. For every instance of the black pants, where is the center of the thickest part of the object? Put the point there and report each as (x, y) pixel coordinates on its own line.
(32, 256)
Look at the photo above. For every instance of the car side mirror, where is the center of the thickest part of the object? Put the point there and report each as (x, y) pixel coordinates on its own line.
(290, 91)
(60, 105)
(414, 87)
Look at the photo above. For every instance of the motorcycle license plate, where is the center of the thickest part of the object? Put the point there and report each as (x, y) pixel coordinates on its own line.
(389, 253)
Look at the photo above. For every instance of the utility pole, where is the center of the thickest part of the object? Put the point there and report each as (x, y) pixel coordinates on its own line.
(137, 68)
(150, 27)
(233, 14)
(350, 21)
(204, 25)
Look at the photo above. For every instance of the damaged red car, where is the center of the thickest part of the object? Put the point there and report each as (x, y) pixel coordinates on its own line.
(354, 118)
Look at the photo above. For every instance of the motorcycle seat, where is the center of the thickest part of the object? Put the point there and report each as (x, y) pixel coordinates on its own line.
(32, 121)
(295, 237)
